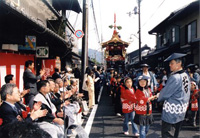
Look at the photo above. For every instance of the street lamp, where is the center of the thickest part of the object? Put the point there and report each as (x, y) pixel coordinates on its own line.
(131, 37)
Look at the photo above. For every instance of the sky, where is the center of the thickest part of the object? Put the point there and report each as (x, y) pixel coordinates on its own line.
(152, 13)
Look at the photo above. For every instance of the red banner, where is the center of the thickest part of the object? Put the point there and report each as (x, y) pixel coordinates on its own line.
(11, 63)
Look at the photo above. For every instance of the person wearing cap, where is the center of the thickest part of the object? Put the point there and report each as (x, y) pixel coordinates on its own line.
(194, 76)
(143, 108)
(128, 100)
(152, 83)
(176, 95)
(69, 73)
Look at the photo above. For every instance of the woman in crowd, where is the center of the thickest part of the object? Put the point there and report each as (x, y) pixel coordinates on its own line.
(128, 99)
(85, 82)
(90, 85)
(143, 107)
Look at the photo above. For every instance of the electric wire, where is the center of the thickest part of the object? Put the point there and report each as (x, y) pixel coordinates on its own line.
(153, 13)
(95, 21)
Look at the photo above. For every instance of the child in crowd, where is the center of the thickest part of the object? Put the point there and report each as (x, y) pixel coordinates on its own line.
(113, 83)
(158, 105)
(118, 104)
(143, 107)
(194, 103)
(128, 99)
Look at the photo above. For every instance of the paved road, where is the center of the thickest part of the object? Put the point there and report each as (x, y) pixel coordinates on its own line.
(107, 125)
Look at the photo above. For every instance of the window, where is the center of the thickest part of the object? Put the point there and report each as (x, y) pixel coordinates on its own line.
(161, 40)
(191, 31)
(164, 39)
(173, 35)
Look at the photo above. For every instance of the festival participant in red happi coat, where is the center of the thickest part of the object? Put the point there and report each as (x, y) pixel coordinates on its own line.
(128, 100)
(143, 107)
(194, 103)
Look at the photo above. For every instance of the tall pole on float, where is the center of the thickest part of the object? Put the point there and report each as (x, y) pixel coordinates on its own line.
(139, 31)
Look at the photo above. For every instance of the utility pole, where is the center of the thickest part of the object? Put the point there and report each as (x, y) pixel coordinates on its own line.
(84, 60)
(139, 31)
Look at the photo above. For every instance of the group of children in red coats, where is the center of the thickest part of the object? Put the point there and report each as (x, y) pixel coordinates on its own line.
(136, 104)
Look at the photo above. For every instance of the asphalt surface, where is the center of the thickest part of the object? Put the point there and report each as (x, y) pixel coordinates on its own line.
(107, 125)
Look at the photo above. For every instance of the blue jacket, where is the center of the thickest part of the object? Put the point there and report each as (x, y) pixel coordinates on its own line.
(196, 78)
(176, 95)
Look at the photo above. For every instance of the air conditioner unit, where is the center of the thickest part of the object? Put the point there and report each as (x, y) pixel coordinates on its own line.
(13, 47)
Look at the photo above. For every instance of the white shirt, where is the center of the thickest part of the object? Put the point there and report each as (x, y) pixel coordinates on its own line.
(164, 78)
(148, 75)
(84, 87)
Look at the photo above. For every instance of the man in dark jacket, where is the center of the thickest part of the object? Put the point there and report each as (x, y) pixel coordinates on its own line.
(56, 74)
(97, 83)
(10, 110)
(30, 81)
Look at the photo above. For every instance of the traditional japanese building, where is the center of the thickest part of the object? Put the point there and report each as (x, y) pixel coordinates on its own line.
(180, 33)
(35, 30)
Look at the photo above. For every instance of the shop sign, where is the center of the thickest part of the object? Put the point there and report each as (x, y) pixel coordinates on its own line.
(42, 52)
(30, 43)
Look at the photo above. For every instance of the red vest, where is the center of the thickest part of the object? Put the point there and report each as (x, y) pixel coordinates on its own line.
(141, 106)
(128, 99)
(194, 101)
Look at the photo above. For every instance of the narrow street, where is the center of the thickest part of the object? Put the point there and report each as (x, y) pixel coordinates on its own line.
(107, 125)
(57, 54)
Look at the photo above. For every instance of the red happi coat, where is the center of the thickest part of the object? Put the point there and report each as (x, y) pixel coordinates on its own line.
(160, 88)
(112, 81)
(194, 101)
(141, 106)
(128, 99)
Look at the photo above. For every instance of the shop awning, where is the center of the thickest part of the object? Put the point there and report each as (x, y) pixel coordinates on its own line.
(156, 52)
(67, 5)
(23, 16)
